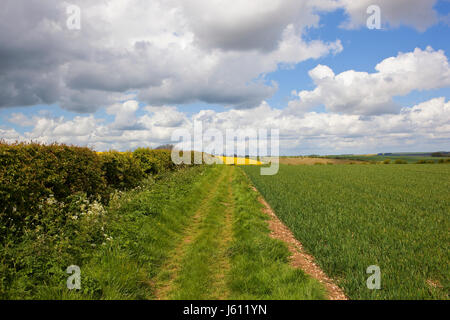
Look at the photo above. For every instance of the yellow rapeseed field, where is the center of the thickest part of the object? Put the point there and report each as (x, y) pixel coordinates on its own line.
(239, 161)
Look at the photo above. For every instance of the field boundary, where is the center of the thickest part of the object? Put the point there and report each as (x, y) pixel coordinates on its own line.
(299, 258)
(297, 161)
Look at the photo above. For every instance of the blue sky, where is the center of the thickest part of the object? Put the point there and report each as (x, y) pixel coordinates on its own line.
(363, 49)
(73, 86)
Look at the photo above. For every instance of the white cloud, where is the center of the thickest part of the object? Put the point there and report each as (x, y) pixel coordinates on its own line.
(246, 25)
(425, 126)
(9, 135)
(21, 120)
(228, 77)
(363, 93)
(166, 116)
(76, 131)
(125, 115)
(169, 52)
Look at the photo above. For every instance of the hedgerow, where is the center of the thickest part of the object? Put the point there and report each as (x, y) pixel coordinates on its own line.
(30, 173)
(154, 161)
(121, 170)
(63, 233)
(54, 209)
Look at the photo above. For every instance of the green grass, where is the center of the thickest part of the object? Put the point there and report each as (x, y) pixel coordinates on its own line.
(145, 225)
(230, 254)
(351, 217)
(198, 232)
(150, 226)
(203, 260)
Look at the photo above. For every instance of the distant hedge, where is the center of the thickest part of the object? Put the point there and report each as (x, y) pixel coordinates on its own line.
(121, 170)
(154, 161)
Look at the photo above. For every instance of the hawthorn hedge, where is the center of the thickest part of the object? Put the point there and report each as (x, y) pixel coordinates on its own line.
(154, 161)
(121, 170)
(30, 173)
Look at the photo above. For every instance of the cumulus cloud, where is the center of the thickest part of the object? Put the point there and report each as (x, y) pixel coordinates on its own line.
(10, 135)
(353, 92)
(426, 125)
(21, 120)
(125, 115)
(168, 52)
(246, 25)
(165, 116)
(162, 53)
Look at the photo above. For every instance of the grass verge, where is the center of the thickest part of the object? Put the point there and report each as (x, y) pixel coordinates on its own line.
(259, 264)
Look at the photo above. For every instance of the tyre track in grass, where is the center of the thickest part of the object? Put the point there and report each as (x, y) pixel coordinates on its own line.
(197, 267)
(222, 268)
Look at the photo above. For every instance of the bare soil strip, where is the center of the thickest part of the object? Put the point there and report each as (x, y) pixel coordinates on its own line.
(299, 258)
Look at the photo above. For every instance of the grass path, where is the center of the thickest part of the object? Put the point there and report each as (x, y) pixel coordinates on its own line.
(196, 268)
(227, 252)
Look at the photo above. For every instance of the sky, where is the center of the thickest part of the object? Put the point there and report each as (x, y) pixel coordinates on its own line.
(122, 74)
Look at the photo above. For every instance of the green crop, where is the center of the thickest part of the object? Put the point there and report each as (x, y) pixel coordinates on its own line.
(352, 217)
